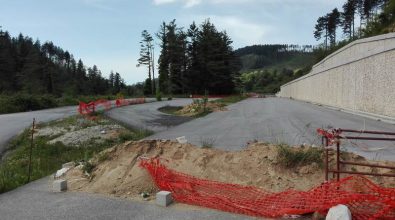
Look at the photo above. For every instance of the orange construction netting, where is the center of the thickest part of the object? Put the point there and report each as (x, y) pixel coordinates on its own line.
(102, 104)
(365, 199)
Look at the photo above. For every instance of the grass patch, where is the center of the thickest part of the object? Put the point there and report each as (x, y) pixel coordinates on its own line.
(207, 142)
(171, 110)
(48, 158)
(291, 157)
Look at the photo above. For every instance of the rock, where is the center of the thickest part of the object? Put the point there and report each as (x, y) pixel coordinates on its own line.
(68, 165)
(59, 185)
(182, 140)
(163, 198)
(61, 172)
(339, 212)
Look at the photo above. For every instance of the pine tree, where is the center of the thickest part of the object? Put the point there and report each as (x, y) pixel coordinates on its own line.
(321, 29)
(163, 59)
(333, 23)
(145, 57)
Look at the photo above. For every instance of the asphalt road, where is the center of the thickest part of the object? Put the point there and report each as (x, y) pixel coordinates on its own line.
(35, 201)
(13, 124)
(278, 120)
(147, 116)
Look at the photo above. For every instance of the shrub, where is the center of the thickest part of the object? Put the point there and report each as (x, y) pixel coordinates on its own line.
(126, 136)
(292, 157)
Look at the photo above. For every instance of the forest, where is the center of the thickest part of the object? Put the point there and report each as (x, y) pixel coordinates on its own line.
(198, 60)
(357, 19)
(35, 75)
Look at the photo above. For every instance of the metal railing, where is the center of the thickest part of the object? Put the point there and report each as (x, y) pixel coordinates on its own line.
(334, 137)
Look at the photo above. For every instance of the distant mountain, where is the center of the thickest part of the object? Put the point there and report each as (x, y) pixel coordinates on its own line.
(275, 57)
(266, 67)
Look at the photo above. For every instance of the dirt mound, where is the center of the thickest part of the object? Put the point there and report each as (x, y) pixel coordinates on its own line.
(116, 171)
(197, 108)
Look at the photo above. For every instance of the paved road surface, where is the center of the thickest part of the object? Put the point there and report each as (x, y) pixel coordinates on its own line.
(278, 120)
(148, 117)
(12, 124)
(35, 201)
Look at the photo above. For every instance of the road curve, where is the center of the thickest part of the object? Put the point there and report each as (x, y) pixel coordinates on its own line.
(146, 116)
(278, 120)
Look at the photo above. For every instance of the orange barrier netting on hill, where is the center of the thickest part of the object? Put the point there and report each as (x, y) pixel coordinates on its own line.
(124, 102)
(88, 108)
(365, 199)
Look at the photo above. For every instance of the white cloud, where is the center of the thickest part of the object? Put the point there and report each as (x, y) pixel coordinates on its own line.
(191, 3)
(186, 3)
(162, 2)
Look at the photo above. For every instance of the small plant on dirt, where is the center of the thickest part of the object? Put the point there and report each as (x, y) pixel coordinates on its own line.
(292, 157)
(207, 142)
(88, 167)
(103, 156)
(126, 136)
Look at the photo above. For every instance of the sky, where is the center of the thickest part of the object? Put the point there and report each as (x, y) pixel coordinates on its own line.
(107, 33)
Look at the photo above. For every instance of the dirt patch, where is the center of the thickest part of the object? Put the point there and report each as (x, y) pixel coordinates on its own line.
(117, 172)
(98, 133)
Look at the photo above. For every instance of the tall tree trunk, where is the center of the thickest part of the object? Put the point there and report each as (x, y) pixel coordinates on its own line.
(153, 70)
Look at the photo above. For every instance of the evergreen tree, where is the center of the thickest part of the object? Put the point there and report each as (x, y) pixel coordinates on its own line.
(163, 59)
(145, 57)
(321, 29)
(348, 17)
(333, 23)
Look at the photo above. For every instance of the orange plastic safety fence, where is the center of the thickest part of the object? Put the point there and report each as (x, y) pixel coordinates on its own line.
(102, 104)
(124, 102)
(88, 108)
(365, 199)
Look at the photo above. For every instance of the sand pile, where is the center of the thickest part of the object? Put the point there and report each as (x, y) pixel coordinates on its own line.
(116, 171)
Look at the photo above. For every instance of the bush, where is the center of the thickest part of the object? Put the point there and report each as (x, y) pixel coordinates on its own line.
(21, 102)
(126, 136)
(292, 157)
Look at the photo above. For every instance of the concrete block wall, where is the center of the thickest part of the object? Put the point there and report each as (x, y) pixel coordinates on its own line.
(358, 77)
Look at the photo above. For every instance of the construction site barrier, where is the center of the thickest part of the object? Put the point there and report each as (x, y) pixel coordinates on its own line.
(89, 108)
(101, 104)
(124, 102)
(365, 199)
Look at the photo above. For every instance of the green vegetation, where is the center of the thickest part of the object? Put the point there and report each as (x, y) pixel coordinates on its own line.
(207, 143)
(133, 135)
(48, 157)
(375, 17)
(266, 67)
(191, 61)
(21, 102)
(291, 157)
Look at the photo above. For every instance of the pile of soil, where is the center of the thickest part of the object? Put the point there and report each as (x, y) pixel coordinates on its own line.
(117, 172)
(195, 109)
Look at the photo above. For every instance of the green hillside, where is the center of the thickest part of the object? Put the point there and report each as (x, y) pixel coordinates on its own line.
(264, 68)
